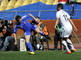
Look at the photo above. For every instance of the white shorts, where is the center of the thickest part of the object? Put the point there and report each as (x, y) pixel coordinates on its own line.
(66, 32)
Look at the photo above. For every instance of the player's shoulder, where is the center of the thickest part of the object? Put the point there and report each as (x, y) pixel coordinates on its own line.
(23, 16)
(59, 12)
(65, 12)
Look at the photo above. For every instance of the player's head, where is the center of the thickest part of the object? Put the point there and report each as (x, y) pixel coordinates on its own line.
(37, 19)
(59, 7)
(18, 18)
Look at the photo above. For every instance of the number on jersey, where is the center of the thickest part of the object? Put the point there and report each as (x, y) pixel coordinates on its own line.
(65, 17)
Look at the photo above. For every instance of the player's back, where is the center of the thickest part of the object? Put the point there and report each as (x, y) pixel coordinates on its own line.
(64, 16)
(27, 26)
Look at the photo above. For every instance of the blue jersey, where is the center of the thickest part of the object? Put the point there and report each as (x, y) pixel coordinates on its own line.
(25, 25)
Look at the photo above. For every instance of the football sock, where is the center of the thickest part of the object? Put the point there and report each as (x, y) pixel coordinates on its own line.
(30, 46)
(70, 44)
(65, 44)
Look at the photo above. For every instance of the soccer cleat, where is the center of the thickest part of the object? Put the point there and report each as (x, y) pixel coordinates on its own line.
(69, 52)
(32, 53)
(74, 50)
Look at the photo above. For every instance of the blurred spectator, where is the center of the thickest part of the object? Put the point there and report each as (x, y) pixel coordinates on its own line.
(7, 39)
(38, 39)
(57, 38)
(0, 25)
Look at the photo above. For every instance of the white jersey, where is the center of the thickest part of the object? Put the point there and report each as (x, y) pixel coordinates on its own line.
(65, 23)
(63, 16)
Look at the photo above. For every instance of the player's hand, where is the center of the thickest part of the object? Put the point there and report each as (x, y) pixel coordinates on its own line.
(15, 43)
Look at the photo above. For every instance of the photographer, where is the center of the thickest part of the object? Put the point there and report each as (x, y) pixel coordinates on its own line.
(38, 39)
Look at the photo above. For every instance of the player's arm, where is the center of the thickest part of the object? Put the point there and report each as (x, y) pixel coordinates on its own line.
(32, 16)
(25, 17)
(57, 22)
(37, 29)
(15, 39)
(73, 24)
(19, 26)
(15, 30)
(57, 19)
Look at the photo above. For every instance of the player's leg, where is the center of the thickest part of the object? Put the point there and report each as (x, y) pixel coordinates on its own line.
(60, 44)
(71, 45)
(69, 41)
(66, 46)
(55, 42)
(27, 37)
(64, 35)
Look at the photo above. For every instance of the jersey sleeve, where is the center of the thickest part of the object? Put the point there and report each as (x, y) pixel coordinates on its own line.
(18, 26)
(57, 15)
(21, 25)
(25, 17)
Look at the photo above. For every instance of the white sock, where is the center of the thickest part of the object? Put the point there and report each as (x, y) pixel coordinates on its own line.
(70, 44)
(65, 44)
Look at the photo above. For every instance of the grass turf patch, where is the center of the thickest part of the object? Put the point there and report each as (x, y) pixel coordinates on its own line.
(40, 55)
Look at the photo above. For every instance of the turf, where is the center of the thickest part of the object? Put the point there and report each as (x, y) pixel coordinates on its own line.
(40, 55)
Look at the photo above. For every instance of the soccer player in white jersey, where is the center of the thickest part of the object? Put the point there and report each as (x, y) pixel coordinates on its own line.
(63, 18)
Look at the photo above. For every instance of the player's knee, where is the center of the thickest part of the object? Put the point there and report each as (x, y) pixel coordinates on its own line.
(69, 41)
(27, 38)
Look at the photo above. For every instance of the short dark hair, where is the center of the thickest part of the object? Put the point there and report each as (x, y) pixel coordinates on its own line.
(60, 5)
(17, 17)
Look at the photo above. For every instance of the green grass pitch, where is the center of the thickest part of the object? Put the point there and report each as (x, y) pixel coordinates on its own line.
(40, 55)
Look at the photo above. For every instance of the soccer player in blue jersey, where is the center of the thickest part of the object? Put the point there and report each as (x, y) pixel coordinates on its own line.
(21, 22)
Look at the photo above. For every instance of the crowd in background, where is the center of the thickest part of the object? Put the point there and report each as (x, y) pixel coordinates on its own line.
(7, 39)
